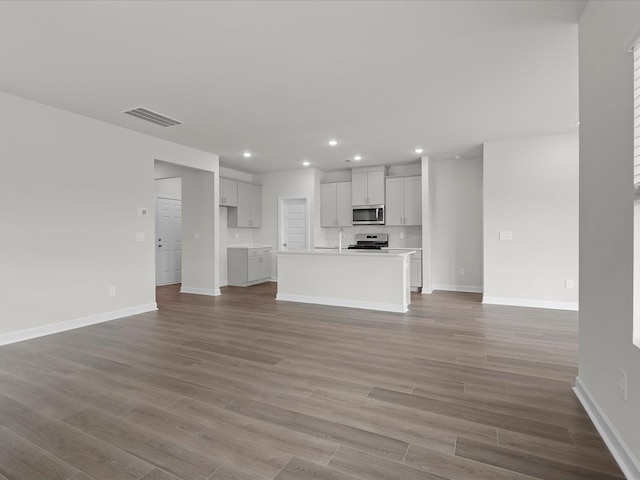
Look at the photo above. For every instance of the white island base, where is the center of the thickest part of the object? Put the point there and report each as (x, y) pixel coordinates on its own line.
(371, 280)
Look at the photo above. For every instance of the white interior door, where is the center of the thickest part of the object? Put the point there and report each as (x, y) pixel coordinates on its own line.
(294, 224)
(168, 241)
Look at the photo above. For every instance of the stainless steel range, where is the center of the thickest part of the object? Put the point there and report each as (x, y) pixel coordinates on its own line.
(370, 241)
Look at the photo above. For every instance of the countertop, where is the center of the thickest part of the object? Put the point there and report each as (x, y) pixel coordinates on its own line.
(246, 247)
(358, 253)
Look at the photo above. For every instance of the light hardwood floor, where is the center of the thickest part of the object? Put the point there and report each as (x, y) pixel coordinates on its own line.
(241, 387)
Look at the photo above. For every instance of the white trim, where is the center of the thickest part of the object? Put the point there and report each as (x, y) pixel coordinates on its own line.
(58, 327)
(211, 292)
(426, 290)
(224, 283)
(340, 302)
(458, 288)
(627, 461)
(274, 279)
(525, 302)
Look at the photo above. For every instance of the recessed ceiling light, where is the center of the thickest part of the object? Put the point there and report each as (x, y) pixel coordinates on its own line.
(246, 154)
(457, 157)
(306, 163)
(357, 158)
(333, 143)
(419, 150)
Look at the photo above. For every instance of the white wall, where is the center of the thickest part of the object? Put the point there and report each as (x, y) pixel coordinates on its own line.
(169, 186)
(606, 214)
(531, 189)
(70, 189)
(198, 208)
(456, 219)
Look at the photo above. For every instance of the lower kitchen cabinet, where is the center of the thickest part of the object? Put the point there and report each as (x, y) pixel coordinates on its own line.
(248, 265)
(415, 270)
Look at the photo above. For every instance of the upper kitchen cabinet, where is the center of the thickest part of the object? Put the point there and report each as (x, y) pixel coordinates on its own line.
(228, 193)
(249, 210)
(404, 201)
(367, 186)
(335, 209)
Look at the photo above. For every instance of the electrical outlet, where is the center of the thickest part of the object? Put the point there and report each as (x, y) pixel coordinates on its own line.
(462, 271)
(112, 291)
(568, 283)
(140, 236)
(506, 235)
(401, 235)
(196, 236)
(622, 384)
(143, 212)
(237, 236)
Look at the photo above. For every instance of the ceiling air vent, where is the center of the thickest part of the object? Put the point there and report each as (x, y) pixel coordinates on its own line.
(153, 117)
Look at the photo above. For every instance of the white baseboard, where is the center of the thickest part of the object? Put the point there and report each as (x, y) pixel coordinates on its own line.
(339, 302)
(224, 283)
(627, 461)
(273, 279)
(458, 288)
(214, 292)
(426, 290)
(58, 327)
(524, 302)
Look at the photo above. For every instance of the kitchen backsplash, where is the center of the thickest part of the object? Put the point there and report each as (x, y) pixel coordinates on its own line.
(240, 236)
(412, 235)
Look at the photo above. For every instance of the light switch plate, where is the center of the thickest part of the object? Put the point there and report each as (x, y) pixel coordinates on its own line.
(140, 237)
(506, 235)
(143, 212)
(196, 235)
(568, 283)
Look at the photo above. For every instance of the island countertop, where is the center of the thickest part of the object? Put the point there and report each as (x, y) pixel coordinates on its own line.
(346, 252)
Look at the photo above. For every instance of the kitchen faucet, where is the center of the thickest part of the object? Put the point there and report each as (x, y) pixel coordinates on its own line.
(340, 237)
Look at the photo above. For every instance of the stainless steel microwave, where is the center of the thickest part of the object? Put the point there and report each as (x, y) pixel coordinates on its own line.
(368, 215)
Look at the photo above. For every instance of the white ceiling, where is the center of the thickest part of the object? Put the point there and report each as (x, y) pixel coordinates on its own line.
(282, 78)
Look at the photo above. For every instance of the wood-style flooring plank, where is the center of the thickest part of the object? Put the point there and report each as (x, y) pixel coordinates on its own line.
(371, 467)
(298, 469)
(386, 447)
(22, 460)
(476, 415)
(243, 387)
(230, 423)
(98, 459)
(528, 464)
(239, 449)
(158, 450)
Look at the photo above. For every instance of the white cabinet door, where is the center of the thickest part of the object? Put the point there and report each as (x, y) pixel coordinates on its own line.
(256, 206)
(244, 205)
(228, 192)
(253, 268)
(394, 209)
(415, 266)
(375, 188)
(249, 210)
(359, 188)
(328, 204)
(344, 206)
(265, 266)
(412, 200)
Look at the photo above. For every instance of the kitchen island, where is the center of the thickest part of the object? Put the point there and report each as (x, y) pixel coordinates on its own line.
(373, 280)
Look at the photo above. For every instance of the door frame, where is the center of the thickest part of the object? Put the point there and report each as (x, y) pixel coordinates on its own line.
(307, 214)
(157, 196)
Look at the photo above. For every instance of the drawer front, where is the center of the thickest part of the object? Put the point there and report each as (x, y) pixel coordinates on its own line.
(259, 251)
